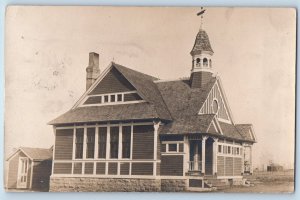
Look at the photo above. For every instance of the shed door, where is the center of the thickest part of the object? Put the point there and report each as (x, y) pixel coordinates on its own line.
(22, 172)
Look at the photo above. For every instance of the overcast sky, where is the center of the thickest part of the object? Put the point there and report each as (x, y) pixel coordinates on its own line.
(47, 52)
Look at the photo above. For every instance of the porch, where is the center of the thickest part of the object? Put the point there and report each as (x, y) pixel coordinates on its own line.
(202, 156)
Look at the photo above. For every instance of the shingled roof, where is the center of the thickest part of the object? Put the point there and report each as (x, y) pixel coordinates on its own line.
(245, 131)
(35, 154)
(201, 43)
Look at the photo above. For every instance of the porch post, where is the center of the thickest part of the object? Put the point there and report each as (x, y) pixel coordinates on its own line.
(215, 157)
(156, 126)
(186, 157)
(251, 164)
(203, 154)
(243, 158)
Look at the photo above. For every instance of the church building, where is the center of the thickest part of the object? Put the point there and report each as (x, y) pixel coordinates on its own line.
(133, 132)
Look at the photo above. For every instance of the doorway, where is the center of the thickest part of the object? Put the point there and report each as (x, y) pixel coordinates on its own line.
(23, 172)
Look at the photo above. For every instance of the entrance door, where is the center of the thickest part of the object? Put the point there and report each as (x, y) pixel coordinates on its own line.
(22, 172)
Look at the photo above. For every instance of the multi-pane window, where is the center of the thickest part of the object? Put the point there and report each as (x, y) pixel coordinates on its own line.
(114, 142)
(112, 98)
(126, 138)
(102, 142)
(90, 143)
(172, 147)
(119, 97)
(229, 150)
(79, 143)
(105, 98)
(220, 148)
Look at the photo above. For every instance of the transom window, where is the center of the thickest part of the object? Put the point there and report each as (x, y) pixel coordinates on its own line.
(230, 150)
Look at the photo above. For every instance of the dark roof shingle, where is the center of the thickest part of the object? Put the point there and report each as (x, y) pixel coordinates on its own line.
(37, 153)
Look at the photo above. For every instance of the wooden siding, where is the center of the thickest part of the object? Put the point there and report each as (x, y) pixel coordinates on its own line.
(142, 169)
(171, 137)
(220, 166)
(13, 170)
(143, 142)
(199, 79)
(158, 169)
(237, 166)
(228, 166)
(77, 168)
(100, 168)
(113, 82)
(132, 97)
(124, 168)
(163, 147)
(88, 168)
(63, 144)
(93, 100)
(171, 165)
(112, 168)
(62, 168)
(41, 175)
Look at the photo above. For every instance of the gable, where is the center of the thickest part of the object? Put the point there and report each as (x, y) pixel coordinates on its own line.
(215, 103)
(113, 82)
(113, 88)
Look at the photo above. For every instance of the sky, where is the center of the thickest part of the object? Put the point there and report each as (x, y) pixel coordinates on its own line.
(46, 53)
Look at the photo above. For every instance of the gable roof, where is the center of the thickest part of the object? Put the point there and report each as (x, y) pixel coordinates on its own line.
(246, 131)
(181, 99)
(35, 154)
(188, 124)
(154, 107)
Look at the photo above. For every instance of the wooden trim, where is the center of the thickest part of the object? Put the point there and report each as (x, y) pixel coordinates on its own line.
(113, 103)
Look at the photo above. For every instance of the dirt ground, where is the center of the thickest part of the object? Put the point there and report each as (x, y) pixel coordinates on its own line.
(266, 182)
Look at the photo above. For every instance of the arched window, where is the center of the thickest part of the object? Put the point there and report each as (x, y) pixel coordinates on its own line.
(210, 64)
(198, 60)
(205, 62)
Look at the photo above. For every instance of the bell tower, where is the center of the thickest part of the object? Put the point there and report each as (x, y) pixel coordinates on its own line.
(201, 58)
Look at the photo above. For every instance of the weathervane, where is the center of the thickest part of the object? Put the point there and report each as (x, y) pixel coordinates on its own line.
(201, 14)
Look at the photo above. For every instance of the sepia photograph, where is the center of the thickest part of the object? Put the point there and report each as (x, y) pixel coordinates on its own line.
(149, 99)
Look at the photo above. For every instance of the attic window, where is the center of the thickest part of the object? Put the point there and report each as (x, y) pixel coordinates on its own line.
(198, 60)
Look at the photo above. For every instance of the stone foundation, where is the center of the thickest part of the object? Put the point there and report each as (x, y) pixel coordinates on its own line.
(173, 185)
(85, 184)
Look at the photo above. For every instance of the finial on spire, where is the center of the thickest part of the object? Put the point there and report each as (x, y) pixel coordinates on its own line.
(201, 14)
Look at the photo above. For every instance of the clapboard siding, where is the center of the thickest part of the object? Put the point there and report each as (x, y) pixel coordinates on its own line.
(88, 168)
(142, 169)
(77, 168)
(228, 166)
(163, 147)
(124, 168)
(13, 170)
(132, 97)
(237, 166)
(100, 168)
(113, 82)
(63, 144)
(41, 175)
(171, 165)
(62, 168)
(112, 168)
(220, 166)
(143, 142)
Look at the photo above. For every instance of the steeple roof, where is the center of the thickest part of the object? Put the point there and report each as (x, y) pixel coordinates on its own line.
(201, 43)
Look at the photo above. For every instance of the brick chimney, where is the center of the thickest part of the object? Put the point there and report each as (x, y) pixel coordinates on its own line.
(93, 70)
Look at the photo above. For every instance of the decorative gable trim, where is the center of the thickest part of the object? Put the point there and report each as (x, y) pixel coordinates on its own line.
(86, 95)
(217, 100)
(252, 133)
(16, 152)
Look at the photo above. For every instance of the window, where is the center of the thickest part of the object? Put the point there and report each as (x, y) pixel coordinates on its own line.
(225, 149)
(90, 143)
(220, 148)
(112, 98)
(238, 151)
(126, 138)
(79, 143)
(114, 142)
(229, 150)
(198, 60)
(119, 97)
(205, 62)
(172, 147)
(102, 142)
(106, 99)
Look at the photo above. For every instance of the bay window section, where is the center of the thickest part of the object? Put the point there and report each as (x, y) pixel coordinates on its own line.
(90, 145)
(126, 138)
(79, 143)
(102, 142)
(114, 142)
